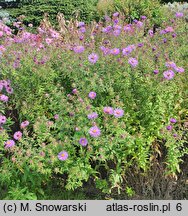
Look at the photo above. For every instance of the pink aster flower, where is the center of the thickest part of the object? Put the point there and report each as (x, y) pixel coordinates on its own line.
(92, 95)
(169, 29)
(9, 143)
(78, 49)
(133, 62)
(49, 40)
(93, 58)
(179, 15)
(1, 34)
(169, 74)
(2, 119)
(83, 141)
(63, 155)
(24, 124)
(118, 113)
(108, 110)
(56, 116)
(179, 69)
(3, 98)
(94, 131)
(18, 135)
(9, 90)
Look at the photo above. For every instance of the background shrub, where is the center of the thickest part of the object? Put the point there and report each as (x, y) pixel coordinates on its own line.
(132, 9)
(34, 10)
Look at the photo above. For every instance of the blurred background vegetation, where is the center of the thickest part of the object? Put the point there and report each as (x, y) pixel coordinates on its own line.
(85, 10)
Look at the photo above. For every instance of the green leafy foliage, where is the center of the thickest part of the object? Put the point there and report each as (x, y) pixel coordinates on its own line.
(34, 11)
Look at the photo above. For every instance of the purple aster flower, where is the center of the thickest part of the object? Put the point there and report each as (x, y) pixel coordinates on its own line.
(117, 27)
(127, 28)
(156, 71)
(173, 120)
(133, 62)
(3, 98)
(93, 115)
(105, 50)
(3, 119)
(81, 24)
(83, 141)
(169, 74)
(92, 95)
(164, 40)
(179, 69)
(115, 51)
(143, 17)
(107, 18)
(74, 91)
(169, 127)
(162, 31)
(139, 24)
(175, 135)
(150, 32)
(93, 58)
(9, 143)
(140, 45)
(116, 32)
(108, 110)
(116, 14)
(18, 135)
(179, 15)
(94, 131)
(78, 49)
(24, 124)
(108, 29)
(116, 21)
(126, 51)
(82, 29)
(63, 155)
(170, 64)
(174, 35)
(118, 113)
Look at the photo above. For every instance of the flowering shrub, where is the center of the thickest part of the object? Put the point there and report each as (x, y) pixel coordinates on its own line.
(89, 104)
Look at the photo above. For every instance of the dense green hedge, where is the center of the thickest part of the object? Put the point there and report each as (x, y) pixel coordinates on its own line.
(34, 10)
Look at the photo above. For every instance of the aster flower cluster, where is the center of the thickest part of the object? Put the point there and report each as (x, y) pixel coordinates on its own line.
(5, 85)
(17, 135)
(169, 74)
(170, 126)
